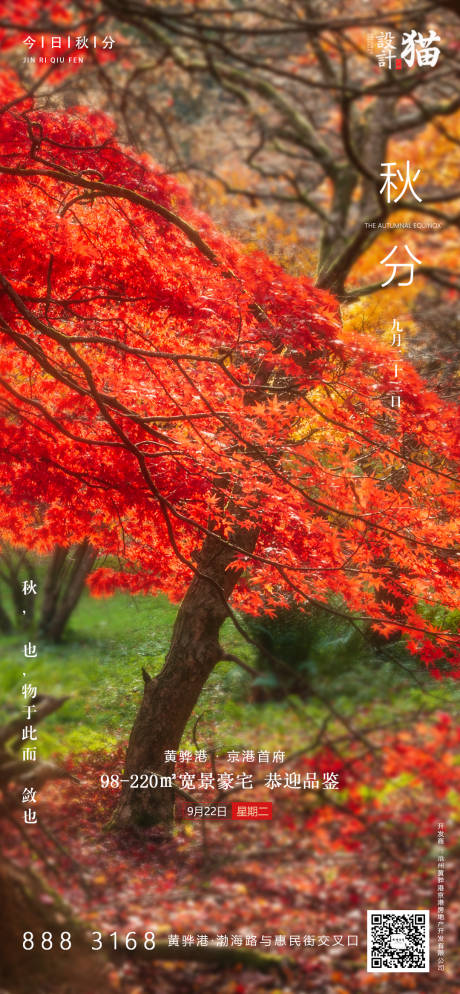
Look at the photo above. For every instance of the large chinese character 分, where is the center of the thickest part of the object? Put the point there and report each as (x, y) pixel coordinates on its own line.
(400, 265)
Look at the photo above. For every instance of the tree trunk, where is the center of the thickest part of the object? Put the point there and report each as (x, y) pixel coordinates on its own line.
(15, 567)
(5, 624)
(64, 585)
(28, 905)
(168, 701)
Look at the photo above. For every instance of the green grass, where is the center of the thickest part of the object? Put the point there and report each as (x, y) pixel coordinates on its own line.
(99, 665)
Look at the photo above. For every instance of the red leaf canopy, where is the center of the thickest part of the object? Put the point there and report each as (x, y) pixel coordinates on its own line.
(158, 383)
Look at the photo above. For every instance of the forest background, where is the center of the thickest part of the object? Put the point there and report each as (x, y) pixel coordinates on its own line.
(276, 121)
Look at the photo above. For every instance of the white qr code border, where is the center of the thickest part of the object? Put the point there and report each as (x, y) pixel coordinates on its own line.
(371, 958)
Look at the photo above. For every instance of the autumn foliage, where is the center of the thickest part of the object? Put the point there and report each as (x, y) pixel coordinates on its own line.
(159, 384)
(180, 410)
(373, 846)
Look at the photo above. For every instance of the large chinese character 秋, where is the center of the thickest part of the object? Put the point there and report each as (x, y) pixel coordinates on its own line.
(407, 180)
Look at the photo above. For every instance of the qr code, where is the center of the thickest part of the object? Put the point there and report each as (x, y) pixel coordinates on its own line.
(398, 941)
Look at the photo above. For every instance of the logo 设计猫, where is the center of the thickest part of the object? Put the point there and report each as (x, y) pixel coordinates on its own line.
(413, 49)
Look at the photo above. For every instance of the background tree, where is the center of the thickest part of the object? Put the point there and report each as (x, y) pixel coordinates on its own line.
(284, 116)
(294, 95)
(64, 576)
(285, 110)
(200, 414)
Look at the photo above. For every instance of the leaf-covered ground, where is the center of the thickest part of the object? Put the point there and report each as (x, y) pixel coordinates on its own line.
(311, 871)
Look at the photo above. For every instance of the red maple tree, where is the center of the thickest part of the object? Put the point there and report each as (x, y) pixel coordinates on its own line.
(201, 418)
